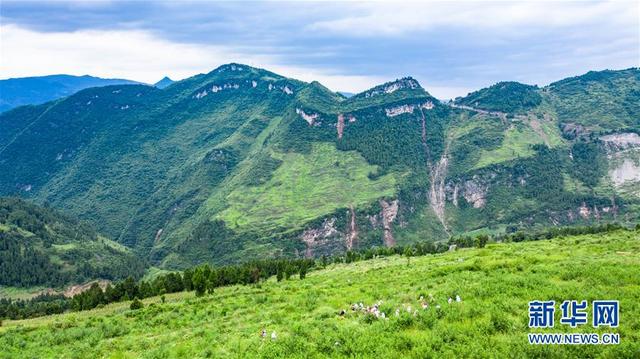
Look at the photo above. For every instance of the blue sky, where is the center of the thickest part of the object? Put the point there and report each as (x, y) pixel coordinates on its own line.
(450, 47)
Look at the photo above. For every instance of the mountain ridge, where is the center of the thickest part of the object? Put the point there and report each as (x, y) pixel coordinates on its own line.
(40, 89)
(242, 163)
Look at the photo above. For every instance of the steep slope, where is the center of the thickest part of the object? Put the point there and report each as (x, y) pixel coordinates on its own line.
(242, 163)
(39, 246)
(36, 90)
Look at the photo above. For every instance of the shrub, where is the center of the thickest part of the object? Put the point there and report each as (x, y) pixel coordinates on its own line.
(136, 304)
(482, 240)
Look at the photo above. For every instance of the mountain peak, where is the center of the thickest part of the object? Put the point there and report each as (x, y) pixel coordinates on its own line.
(393, 86)
(393, 90)
(165, 82)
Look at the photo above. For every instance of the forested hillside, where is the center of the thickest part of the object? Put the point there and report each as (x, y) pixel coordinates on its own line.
(242, 163)
(41, 247)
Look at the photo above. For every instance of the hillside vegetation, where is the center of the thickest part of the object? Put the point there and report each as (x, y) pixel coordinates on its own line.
(507, 97)
(242, 163)
(494, 283)
(42, 247)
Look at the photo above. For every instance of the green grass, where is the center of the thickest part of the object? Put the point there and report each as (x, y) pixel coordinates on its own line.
(19, 292)
(495, 284)
(153, 272)
(305, 187)
(516, 144)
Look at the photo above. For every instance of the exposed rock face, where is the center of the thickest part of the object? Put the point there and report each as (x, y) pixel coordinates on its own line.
(623, 153)
(200, 95)
(353, 230)
(389, 213)
(584, 211)
(318, 236)
(437, 194)
(310, 118)
(473, 190)
(77, 289)
(407, 108)
(399, 110)
(340, 125)
(455, 195)
(572, 130)
(475, 193)
(621, 141)
(393, 87)
(627, 171)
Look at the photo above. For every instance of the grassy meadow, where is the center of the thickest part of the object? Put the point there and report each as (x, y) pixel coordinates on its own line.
(495, 284)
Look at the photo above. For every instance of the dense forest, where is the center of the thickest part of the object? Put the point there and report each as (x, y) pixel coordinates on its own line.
(42, 247)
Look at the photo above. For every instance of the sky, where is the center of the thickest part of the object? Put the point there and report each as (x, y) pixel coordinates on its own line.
(450, 47)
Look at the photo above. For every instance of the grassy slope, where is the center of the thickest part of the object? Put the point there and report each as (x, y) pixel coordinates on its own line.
(307, 186)
(495, 284)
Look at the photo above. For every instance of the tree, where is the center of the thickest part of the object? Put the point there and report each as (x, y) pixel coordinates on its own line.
(136, 304)
(482, 240)
(199, 282)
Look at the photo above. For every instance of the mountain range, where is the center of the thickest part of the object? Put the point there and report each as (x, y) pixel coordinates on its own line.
(244, 163)
(36, 90)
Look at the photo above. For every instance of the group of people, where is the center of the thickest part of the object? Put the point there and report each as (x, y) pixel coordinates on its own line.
(263, 334)
(375, 308)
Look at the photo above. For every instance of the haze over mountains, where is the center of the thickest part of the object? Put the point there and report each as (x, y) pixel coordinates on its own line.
(243, 163)
(36, 90)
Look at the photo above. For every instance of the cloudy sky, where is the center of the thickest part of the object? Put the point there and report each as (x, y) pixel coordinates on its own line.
(450, 47)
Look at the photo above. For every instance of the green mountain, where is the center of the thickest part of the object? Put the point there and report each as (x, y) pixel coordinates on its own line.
(36, 90)
(508, 97)
(39, 246)
(242, 163)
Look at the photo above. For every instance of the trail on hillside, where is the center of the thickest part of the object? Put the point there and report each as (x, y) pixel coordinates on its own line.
(437, 174)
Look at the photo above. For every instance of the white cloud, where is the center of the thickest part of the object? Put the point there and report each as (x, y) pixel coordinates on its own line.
(134, 54)
(141, 56)
(396, 18)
